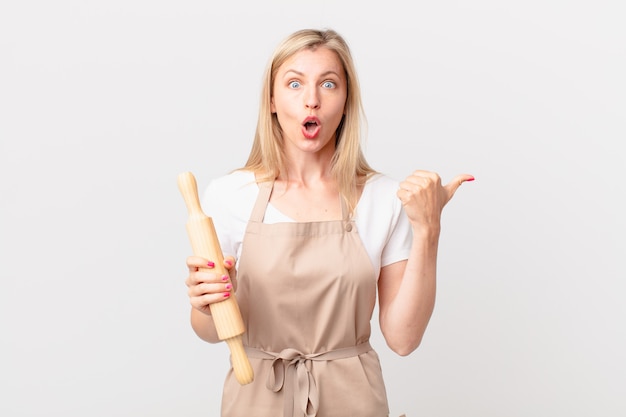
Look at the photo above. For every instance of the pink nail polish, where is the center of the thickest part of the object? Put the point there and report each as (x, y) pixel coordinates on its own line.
(226, 294)
(211, 264)
(225, 277)
(228, 262)
(229, 286)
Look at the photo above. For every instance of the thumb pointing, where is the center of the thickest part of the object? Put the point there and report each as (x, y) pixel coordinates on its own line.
(454, 185)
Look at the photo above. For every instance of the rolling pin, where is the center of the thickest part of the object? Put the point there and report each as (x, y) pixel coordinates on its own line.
(204, 243)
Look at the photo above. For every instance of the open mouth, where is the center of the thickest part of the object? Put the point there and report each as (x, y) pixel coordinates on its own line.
(311, 127)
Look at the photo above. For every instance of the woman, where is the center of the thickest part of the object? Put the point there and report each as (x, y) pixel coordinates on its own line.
(316, 232)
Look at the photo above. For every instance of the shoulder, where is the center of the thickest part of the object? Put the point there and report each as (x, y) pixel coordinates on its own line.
(379, 199)
(232, 193)
(233, 182)
(382, 182)
(381, 189)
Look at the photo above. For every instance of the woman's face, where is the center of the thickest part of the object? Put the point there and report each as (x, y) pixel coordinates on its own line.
(310, 91)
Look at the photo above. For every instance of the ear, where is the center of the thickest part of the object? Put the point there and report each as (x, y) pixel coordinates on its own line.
(272, 106)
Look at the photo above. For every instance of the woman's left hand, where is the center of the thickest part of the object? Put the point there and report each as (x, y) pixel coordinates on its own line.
(424, 197)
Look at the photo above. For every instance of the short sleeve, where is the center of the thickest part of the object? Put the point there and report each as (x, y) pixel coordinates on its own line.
(400, 237)
(384, 228)
(228, 200)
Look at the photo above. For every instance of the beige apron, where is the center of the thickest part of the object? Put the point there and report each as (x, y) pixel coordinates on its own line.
(306, 293)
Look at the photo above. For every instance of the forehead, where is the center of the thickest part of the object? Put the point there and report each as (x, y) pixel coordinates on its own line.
(313, 61)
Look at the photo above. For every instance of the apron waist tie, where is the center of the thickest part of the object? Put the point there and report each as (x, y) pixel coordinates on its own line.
(291, 369)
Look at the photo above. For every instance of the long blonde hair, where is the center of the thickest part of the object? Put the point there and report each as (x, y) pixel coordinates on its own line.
(348, 166)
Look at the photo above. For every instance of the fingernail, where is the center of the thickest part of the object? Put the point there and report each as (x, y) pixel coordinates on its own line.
(471, 179)
(225, 277)
(228, 286)
(226, 294)
(228, 262)
(211, 264)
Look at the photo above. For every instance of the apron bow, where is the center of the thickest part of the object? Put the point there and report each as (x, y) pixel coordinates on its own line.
(291, 372)
(291, 369)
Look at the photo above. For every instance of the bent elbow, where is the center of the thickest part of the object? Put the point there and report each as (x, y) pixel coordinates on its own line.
(405, 351)
(404, 348)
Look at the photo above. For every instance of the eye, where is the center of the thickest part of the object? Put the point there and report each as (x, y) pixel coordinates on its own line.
(328, 84)
(294, 84)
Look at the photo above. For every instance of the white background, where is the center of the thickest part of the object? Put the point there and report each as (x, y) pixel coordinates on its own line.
(102, 104)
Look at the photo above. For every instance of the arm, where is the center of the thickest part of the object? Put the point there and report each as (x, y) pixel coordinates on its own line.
(407, 288)
(407, 295)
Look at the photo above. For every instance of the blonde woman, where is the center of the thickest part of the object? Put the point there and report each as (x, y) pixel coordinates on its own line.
(311, 234)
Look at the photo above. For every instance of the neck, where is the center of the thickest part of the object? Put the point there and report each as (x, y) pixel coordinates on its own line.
(308, 168)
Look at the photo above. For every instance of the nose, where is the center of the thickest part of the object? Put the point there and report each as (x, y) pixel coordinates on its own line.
(311, 98)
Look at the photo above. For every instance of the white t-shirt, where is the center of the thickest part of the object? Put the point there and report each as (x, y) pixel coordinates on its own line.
(380, 219)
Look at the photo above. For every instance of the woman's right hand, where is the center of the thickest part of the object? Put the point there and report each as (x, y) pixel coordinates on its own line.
(206, 287)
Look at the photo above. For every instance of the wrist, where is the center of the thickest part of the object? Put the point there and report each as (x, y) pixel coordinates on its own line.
(427, 233)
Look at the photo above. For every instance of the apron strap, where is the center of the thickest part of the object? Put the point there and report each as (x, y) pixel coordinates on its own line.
(265, 190)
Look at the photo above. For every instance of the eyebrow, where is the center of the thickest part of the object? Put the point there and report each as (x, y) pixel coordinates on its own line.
(324, 74)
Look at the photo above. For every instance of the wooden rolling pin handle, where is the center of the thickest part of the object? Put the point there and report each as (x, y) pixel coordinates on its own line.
(241, 365)
(204, 242)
